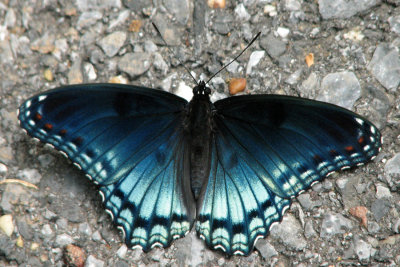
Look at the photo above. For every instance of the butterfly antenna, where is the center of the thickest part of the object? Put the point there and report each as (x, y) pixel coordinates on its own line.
(172, 52)
(224, 67)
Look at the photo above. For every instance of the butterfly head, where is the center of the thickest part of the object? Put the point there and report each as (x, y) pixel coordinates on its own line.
(201, 89)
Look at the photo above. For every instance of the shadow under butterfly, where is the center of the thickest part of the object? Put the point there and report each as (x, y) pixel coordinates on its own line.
(164, 164)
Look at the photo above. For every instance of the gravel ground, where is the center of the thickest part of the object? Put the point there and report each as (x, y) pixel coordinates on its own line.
(352, 218)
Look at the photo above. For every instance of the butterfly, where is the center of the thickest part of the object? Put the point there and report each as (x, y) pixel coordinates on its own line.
(163, 165)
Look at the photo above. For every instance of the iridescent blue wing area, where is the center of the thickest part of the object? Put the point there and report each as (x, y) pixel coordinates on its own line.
(130, 141)
(266, 150)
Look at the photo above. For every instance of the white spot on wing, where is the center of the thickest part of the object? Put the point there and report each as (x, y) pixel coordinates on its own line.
(221, 247)
(28, 104)
(157, 244)
(103, 198)
(42, 97)
(109, 212)
(78, 166)
(359, 121)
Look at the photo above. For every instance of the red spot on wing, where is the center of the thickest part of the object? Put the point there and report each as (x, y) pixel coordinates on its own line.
(63, 132)
(37, 117)
(48, 126)
(361, 140)
(349, 148)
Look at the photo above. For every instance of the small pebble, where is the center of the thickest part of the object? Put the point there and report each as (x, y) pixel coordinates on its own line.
(93, 262)
(74, 256)
(283, 32)
(360, 212)
(118, 79)
(135, 25)
(6, 224)
(310, 59)
(34, 246)
(216, 3)
(237, 85)
(20, 242)
(48, 75)
(270, 10)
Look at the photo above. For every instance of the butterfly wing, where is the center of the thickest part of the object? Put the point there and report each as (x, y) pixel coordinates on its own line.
(266, 150)
(128, 140)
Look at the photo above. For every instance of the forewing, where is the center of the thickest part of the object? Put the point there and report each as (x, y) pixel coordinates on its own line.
(129, 141)
(266, 150)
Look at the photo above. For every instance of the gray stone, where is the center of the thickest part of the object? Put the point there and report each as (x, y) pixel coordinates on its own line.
(167, 30)
(378, 106)
(91, 261)
(382, 192)
(24, 229)
(380, 208)
(12, 194)
(90, 72)
(62, 223)
(254, 59)
(223, 23)
(84, 228)
(309, 230)
(180, 9)
(394, 22)
(289, 232)
(373, 227)
(266, 250)
(75, 75)
(392, 166)
(49, 215)
(385, 66)
(84, 5)
(6, 154)
(233, 67)
(362, 249)
(97, 236)
(137, 5)
(88, 18)
(121, 252)
(166, 83)
(3, 169)
(7, 245)
(135, 64)
(334, 223)
(241, 12)
(45, 160)
(292, 5)
(46, 230)
(30, 175)
(159, 63)
(342, 9)
(340, 88)
(150, 46)
(112, 43)
(63, 240)
(273, 46)
(306, 202)
(69, 210)
(96, 55)
(122, 17)
(10, 19)
(294, 77)
(6, 53)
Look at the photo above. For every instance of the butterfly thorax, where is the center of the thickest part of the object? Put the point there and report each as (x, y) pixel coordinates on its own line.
(198, 127)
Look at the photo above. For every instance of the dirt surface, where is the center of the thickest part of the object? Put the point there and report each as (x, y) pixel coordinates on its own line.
(351, 218)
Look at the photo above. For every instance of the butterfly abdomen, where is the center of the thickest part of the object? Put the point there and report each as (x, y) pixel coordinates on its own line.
(198, 128)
